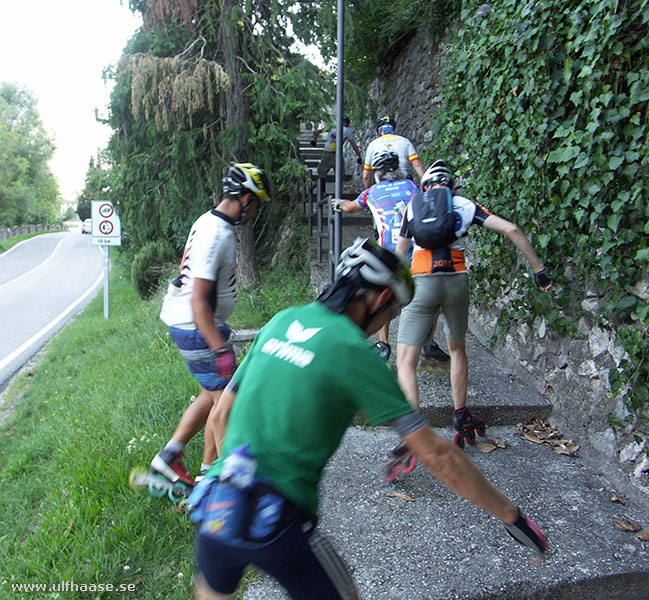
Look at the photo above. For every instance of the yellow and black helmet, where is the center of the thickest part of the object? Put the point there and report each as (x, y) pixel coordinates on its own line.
(246, 177)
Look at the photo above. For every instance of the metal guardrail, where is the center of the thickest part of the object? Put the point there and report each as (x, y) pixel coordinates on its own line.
(20, 229)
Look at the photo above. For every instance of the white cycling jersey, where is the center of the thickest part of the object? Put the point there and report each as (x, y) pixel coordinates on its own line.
(210, 253)
(396, 143)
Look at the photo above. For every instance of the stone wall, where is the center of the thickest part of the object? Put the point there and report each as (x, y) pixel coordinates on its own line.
(572, 373)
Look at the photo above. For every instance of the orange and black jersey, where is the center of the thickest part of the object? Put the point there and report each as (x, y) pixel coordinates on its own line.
(451, 258)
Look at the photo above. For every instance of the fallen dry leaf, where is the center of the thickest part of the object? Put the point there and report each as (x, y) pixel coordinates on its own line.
(70, 524)
(537, 431)
(644, 535)
(486, 447)
(532, 438)
(626, 525)
(500, 443)
(402, 496)
(616, 498)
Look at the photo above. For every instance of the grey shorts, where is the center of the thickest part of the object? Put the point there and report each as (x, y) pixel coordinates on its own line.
(446, 291)
(328, 162)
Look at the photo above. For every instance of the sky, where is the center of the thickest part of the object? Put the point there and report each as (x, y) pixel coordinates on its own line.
(57, 49)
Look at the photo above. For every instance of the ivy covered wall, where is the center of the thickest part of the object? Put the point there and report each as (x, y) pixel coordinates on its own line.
(541, 107)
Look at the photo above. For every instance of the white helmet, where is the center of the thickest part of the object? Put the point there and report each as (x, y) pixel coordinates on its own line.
(438, 173)
(379, 267)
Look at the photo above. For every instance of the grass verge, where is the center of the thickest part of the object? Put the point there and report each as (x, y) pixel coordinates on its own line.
(12, 241)
(104, 399)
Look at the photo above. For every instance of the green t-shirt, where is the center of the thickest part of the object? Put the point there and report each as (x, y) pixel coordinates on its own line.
(307, 374)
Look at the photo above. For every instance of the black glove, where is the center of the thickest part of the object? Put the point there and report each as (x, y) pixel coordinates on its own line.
(312, 142)
(527, 532)
(359, 161)
(543, 278)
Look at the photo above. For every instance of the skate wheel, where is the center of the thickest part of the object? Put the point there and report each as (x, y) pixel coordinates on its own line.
(136, 473)
(158, 491)
(470, 437)
(481, 428)
(409, 464)
(182, 506)
(179, 492)
(389, 472)
(458, 440)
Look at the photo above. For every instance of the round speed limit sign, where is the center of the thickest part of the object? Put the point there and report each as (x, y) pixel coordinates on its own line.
(106, 227)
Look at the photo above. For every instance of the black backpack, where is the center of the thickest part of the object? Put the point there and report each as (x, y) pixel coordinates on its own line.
(432, 222)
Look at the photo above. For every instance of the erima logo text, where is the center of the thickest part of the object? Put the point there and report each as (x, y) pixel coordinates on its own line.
(288, 351)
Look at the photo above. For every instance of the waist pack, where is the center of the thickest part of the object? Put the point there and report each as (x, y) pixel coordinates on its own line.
(248, 518)
(431, 220)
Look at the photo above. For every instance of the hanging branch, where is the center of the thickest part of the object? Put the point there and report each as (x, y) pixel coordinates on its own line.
(171, 90)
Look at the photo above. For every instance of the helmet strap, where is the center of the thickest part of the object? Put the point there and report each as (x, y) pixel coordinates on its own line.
(370, 317)
(244, 209)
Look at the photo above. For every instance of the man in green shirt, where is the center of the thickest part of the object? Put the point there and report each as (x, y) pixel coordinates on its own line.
(309, 371)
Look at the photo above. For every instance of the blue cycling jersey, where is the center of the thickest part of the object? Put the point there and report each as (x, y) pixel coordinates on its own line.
(387, 201)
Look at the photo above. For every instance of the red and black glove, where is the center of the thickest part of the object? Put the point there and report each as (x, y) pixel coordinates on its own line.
(527, 532)
(226, 362)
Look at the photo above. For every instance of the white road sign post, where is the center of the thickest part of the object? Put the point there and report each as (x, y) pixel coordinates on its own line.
(106, 231)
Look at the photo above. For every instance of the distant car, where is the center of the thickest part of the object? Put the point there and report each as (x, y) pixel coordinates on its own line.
(86, 226)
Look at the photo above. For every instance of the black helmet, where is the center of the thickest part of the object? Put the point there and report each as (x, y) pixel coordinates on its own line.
(346, 120)
(383, 121)
(246, 177)
(385, 160)
(438, 173)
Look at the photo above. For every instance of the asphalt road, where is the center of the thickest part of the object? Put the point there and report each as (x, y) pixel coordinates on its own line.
(44, 282)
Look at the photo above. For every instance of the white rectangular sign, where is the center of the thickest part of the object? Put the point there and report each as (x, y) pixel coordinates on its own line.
(106, 228)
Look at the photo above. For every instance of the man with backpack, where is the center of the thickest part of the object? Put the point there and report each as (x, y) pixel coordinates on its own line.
(438, 220)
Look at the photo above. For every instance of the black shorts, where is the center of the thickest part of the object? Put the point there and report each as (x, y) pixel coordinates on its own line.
(301, 559)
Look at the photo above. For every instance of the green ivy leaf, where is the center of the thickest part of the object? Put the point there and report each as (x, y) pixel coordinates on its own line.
(613, 221)
(563, 154)
(615, 161)
(642, 255)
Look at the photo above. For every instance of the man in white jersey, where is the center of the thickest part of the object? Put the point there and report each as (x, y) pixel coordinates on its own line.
(396, 143)
(197, 305)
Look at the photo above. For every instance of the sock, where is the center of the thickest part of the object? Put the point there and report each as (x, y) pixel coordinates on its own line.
(205, 467)
(175, 447)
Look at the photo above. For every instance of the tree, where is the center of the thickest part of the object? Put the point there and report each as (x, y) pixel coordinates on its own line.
(28, 191)
(171, 143)
(96, 187)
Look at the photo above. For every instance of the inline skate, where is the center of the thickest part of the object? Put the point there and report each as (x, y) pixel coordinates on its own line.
(467, 426)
